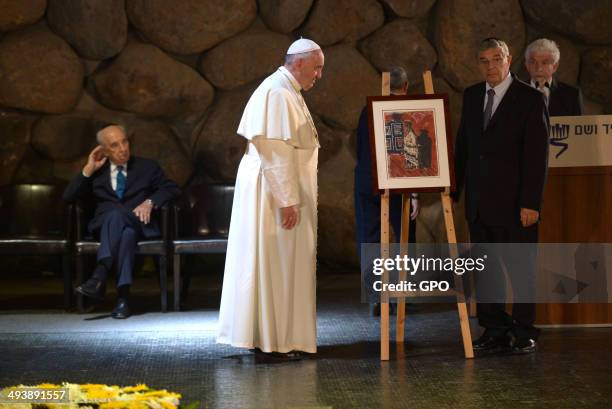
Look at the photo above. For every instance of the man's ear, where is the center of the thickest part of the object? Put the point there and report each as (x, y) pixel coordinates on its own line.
(104, 151)
(299, 63)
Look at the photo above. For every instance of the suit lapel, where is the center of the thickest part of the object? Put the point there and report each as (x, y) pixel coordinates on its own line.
(554, 104)
(131, 176)
(553, 84)
(479, 104)
(507, 102)
(107, 177)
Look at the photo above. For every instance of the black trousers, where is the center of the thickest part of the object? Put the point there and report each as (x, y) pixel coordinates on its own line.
(119, 236)
(367, 220)
(518, 260)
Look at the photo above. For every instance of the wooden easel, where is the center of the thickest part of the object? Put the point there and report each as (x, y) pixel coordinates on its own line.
(405, 231)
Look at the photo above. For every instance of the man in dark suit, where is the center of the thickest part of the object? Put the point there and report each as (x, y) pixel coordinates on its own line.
(367, 204)
(126, 189)
(501, 160)
(424, 143)
(542, 61)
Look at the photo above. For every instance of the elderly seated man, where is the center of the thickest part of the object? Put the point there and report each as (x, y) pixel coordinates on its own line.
(125, 189)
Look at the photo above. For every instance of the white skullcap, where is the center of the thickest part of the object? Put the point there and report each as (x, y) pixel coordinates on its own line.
(303, 45)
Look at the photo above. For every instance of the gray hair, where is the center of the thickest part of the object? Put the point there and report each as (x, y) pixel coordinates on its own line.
(99, 138)
(544, 45)
(492, 42)
(291, 59)
(398, 78)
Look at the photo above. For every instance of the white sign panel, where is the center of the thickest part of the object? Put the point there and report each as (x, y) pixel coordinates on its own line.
(580, 141)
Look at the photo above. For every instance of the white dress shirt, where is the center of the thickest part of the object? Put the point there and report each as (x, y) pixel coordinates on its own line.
(544, 90)
(500, 90)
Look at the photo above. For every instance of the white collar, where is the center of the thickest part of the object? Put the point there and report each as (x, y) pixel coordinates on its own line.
(296, 85)
(501, 88)
(113, 167)
(547, 82)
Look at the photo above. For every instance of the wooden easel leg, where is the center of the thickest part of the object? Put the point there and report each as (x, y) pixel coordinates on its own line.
(464, 322)
(384, 300)
(384, 331)
(384, 242)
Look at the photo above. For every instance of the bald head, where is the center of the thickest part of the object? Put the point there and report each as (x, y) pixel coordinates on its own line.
(116, 146)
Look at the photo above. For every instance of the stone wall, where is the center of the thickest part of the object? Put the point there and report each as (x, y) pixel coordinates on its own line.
(179, 73)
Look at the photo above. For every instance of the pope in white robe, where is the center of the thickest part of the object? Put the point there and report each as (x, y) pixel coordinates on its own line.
(269, 286)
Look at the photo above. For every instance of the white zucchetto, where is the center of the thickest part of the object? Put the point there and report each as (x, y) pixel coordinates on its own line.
(303, 45)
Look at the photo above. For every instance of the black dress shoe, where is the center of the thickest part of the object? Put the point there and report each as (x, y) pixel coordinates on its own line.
(489, 343)
(122, 310)
(92, 288)
(285, 356)
(277, 356)
(375, 309)
(524, 346)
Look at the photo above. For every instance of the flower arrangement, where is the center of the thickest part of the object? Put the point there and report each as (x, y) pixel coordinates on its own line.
(91, 396)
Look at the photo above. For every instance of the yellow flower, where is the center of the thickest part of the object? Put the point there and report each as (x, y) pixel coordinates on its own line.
(116, 404)
(102, 394)
(162, 394)
(167, 405)
(92, 386)
(15, 406)
(137, 405)
(107, 397)
(47, 386)
(138, 388)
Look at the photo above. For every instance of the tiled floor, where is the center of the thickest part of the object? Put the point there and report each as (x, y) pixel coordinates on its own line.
(177, 351)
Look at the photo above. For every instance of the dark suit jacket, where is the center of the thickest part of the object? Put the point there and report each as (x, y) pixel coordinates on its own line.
(145, 180)
(565, 100)
(364, 187)
(363, 168)
(503, 167)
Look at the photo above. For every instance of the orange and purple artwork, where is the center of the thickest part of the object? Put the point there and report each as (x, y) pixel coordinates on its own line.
(410, 142)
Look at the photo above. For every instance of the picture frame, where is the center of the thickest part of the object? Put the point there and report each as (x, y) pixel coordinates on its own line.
(410, 145)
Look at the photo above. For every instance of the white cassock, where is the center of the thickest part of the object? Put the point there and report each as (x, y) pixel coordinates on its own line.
(269, 284)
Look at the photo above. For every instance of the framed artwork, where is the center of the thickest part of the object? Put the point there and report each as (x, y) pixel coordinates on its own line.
(409, 142)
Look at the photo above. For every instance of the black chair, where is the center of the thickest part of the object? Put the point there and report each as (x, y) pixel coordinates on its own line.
(35, 221)
(201, 225)
(85, 244)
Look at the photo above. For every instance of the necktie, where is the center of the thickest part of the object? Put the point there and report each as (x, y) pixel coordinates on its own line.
(489, 108)
(120, 182)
